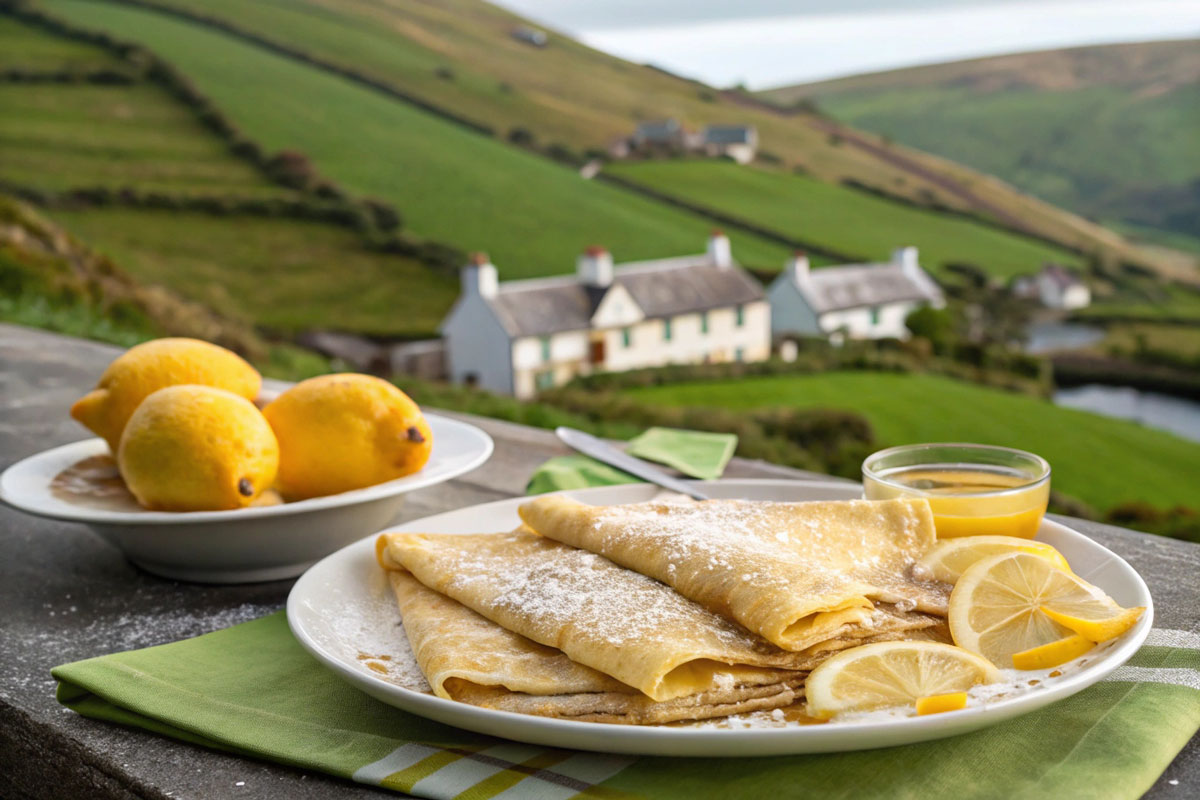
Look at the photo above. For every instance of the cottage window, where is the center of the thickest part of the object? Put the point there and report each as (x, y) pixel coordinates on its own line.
(874, 315)
(667, 330)
(739, 355)
(544, 380)
(545, 348)
(740, 311)
(626, 337)
(704, 322)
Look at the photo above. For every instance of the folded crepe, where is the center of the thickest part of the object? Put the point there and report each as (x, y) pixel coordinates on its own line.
(614, 620)
(797, 574)
(468, 658)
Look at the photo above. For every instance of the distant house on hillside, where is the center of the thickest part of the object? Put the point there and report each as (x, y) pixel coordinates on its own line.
(1055, 287)
(859, 301)
(531, 36)
(663, 134)
(739, 142)
(519, 337)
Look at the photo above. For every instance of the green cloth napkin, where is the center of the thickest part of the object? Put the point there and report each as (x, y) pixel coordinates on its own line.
(698, 454)
(251, 689)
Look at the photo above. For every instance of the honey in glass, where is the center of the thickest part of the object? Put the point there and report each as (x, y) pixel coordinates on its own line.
(972, 489)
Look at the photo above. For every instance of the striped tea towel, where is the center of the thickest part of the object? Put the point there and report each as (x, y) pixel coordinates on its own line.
(251, 689)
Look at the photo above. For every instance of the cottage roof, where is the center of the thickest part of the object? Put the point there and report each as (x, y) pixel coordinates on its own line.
(728, 134)
(1060, 275)
(864, 285)
(661, 288)
(658, 130)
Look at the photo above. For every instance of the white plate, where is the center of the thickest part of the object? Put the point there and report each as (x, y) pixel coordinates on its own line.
(343, 612)
(248, 544)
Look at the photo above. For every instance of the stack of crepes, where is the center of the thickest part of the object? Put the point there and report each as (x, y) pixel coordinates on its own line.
(660, 612)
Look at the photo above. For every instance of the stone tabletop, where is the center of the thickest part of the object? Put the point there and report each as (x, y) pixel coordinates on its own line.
(67, 595)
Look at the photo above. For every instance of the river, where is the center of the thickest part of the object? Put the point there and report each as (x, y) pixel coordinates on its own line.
(1174, 414)
(1046, 337)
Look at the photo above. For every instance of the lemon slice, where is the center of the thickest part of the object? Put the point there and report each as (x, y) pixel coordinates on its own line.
(998, 606)
(1053, 654)
(1094, 624)
(938, 703)
(950, 558)
(892, 674)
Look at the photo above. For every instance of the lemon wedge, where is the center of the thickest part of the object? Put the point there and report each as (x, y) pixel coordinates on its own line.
(950, 558)
(999, 606)
(939, 703)
(1053, 654)
(888, 674)
(1094, 624)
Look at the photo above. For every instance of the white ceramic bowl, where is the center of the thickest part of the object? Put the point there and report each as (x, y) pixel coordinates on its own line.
(343, 607)
(262, 543)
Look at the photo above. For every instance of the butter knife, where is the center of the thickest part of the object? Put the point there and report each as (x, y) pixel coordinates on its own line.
(603, 451)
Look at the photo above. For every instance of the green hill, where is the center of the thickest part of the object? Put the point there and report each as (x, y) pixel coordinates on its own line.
(269, 269)
(1100, 460)
(1110, 131)
(459, 57)
(862, 226)
(451, 184)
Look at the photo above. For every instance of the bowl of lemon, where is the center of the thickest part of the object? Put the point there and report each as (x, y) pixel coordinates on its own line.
(199, 473)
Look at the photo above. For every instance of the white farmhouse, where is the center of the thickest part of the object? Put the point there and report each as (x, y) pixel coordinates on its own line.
(739, 142)
(858, 301)
(519, 337)
(1058, 287)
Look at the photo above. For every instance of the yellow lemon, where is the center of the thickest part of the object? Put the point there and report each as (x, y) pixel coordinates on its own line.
(887, 674)
(197, 448)
(1053, 654)
(343, 432)
(1095, 623)
(1014, 602)
(950, 558)
(939, 703)
(154, 365)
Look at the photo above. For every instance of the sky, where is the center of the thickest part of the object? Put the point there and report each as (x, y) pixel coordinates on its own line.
(765, 43)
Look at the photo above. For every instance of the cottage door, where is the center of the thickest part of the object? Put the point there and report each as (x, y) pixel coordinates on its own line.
(597, 347)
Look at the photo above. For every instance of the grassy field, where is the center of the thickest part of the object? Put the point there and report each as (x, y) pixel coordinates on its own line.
(460, 55)
(451, 185)
(1106, 131)
(565, 92)
(62, 136)
(26, 48)
(840, 218)
(1100, 460)
(285, 275)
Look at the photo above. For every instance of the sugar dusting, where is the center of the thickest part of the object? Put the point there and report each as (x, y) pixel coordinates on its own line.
(835, 553)
(557, 586)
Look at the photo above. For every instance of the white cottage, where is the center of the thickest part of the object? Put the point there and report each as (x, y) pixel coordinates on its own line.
(859, 301)
(518, 337)
(1058, 287)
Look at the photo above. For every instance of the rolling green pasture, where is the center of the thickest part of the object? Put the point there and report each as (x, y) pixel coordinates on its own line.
(59, 136)
(1100, 460)
(842, 219)
(31, 49)
(1108, 131)
(283, 274)
(451, 185)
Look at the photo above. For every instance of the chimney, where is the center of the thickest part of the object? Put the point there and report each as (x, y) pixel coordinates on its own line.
(595, 266)
(797, 266)
(719, 252)
(479, 276)
(906, 258)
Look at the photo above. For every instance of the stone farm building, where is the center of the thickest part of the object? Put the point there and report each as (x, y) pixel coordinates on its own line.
(857, 301)
(518, 337)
